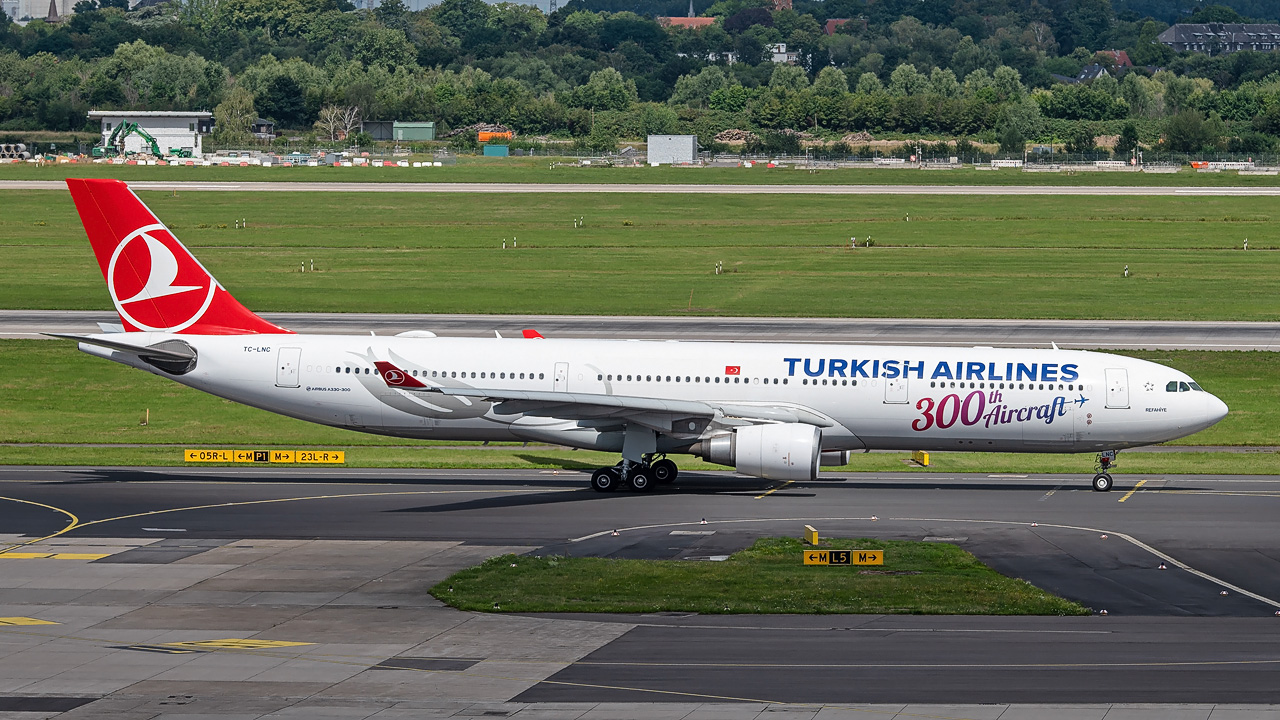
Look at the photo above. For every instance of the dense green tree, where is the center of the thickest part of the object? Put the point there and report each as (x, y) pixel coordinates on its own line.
(1187, 132)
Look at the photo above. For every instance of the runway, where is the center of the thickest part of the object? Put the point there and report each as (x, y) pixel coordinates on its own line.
(1073, 334)
(663, 189)
(306, 555)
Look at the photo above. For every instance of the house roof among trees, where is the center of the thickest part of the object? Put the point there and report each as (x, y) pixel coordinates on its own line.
(1220, 32)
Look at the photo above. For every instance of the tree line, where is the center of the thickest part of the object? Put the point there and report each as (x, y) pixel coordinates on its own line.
(980, 69)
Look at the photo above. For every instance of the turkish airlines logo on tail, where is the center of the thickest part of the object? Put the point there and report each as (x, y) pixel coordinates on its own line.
(155, 283)
(394, 377)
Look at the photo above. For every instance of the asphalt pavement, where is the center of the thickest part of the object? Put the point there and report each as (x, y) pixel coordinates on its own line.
(1073, 334)
(1186, 567)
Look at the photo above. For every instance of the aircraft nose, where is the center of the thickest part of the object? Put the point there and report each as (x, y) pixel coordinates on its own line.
(1214, 409)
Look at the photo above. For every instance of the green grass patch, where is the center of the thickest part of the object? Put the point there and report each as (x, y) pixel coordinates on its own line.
(471, 456)
(537, 170)
(1027, 257)
(767, 578)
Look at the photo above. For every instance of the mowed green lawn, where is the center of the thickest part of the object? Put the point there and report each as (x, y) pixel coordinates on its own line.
(916, 578)
(784, 255)
(63, 401)
(538, 170)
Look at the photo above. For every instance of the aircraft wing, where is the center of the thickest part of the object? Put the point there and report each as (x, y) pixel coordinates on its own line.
(661, 414)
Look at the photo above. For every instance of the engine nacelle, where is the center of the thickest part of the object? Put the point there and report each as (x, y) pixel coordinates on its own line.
(787, 451)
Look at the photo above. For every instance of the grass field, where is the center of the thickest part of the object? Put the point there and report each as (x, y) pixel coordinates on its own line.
(1004, 256)
(536, 169)
(767, 578)
(58, 403)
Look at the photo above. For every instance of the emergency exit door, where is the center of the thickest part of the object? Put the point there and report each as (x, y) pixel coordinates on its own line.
(1117, 388)
(287, 367)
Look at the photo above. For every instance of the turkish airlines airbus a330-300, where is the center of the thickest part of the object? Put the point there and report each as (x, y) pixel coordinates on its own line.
(771, 410)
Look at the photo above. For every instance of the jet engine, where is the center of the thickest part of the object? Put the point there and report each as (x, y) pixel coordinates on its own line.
(784, 451)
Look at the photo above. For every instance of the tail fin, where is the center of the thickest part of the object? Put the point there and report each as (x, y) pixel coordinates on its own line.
(157, 285)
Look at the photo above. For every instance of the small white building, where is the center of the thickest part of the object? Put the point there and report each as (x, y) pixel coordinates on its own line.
(778, 54)
(672, 149)
(173, 130)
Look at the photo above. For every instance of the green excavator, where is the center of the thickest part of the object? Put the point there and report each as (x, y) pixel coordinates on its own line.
(114, 146)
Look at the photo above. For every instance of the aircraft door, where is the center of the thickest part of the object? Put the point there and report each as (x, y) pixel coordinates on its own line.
(895, 390)
(1117, 388)
(287, 367)
(562, 377)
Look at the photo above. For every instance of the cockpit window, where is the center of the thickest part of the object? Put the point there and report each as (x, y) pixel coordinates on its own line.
(1183, 387)
(1196, 387)
(1172, 386)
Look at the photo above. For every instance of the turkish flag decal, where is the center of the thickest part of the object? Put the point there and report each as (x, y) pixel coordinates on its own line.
(732, 369)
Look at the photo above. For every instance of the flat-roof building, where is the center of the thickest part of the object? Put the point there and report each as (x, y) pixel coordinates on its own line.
(173, 130)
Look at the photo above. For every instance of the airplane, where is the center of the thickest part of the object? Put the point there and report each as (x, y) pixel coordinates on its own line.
(776, 411)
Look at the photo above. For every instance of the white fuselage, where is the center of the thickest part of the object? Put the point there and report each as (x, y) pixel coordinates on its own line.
(876, 397)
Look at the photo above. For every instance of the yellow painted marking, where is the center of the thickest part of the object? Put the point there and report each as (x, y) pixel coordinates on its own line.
(52, 556)
(1134, 490)
(239, 644)
(789, 482)
(75, 521)
(80, 556)
(24, 621)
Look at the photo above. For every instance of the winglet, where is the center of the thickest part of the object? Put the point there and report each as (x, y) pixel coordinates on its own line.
(532, 334)
(395, 377)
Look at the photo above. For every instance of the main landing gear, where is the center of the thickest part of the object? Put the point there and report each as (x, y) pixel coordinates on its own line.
(1102, 480)
(637, 476)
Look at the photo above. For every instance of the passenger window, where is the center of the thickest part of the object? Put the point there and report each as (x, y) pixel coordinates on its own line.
(668, 378)
(784, 381)
(677, 378)
(600, 377)
(824, 381)
(540, 375)
(648, 378)
(804, 381)
(717, 379)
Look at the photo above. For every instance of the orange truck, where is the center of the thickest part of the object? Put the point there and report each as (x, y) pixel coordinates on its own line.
(487, 136)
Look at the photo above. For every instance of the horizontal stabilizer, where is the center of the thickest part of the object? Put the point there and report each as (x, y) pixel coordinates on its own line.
(169, 353)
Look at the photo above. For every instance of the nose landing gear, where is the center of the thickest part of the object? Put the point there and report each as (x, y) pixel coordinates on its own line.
(1102, 480)
(637, 476)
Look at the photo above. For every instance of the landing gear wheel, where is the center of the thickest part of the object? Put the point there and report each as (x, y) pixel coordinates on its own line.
(1102, 482)
(640, 479)
(664, 472)
(604, 480)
